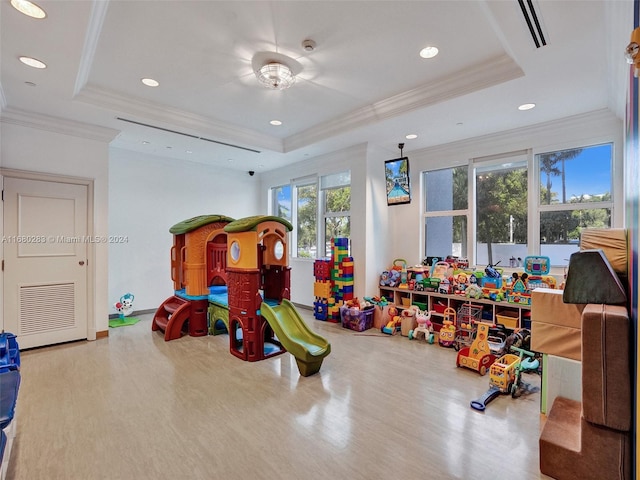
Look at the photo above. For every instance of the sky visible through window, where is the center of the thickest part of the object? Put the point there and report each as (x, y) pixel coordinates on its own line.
(587, 174)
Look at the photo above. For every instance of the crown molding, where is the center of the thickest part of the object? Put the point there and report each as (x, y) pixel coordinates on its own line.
(175, 119)
(94, 29)
(57, 125)
(509, 138)
(476, 77)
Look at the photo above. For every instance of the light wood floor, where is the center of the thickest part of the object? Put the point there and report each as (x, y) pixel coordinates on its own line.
(132, 406)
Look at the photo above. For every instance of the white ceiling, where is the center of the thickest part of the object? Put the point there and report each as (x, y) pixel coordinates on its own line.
(364, 82)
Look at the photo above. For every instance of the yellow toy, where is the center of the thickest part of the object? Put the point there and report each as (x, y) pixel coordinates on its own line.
(447, 334)
(505, 376)
(477, 356)
(394, 324)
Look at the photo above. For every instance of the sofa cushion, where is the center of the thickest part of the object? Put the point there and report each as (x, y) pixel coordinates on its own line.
(606, 366)
(555, 325)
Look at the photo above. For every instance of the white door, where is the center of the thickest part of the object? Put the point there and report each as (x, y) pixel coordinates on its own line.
(45, 261)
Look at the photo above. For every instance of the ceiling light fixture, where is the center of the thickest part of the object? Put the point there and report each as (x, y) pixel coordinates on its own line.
(411, 136)
(33, 62)
(276, 76)
(429, 52)
(28, 8)
(275, 123)
(526, 106)
(150, 82)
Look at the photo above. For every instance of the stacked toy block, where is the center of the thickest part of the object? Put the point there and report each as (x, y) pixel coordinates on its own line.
(321, 288)
(336, 275)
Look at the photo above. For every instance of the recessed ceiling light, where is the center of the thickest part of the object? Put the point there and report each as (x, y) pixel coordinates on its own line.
(33, 62)
(28, 8)
(411, 136)
(277, 123)
(526, 106)
(429, 52)
(150, 82)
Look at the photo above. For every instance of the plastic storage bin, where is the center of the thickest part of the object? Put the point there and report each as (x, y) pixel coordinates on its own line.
(356, 319)
(508, 318)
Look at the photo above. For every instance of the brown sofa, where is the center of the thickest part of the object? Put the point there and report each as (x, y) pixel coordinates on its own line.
(592, 439)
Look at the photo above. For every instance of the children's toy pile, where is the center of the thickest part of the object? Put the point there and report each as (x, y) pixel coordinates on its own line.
(357, 315)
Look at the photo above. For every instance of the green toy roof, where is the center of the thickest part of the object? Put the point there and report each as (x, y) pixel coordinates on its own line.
(250, 223)
(197, 222)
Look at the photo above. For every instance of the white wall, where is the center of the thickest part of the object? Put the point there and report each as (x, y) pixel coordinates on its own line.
(42, 144)
(148, 195)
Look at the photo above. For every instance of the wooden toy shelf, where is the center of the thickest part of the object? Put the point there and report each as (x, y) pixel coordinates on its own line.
(511, 315)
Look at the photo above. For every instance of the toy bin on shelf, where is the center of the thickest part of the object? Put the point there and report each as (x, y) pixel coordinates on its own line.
(356, 319)
(422, 305)
(508, 318)
(439, 307)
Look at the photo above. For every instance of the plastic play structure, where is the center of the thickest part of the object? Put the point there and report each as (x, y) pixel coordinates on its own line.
(226, 274)
(308, 348)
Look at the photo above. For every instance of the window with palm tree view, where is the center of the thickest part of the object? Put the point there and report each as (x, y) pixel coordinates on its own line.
(575, 193)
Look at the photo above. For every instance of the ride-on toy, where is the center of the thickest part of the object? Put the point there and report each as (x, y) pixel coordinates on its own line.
(505, 376)
(447, 334)
(424, 328)
(477, 356)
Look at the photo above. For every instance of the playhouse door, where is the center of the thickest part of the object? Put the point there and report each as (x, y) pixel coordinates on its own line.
(45, 261)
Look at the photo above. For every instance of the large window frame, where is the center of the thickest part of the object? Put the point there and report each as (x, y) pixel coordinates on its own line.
(323, 185)
(535, 208)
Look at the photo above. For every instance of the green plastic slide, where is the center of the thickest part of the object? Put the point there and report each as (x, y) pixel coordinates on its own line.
(308, 348)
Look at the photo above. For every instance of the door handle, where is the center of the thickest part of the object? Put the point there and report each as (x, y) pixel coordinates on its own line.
(81, 262)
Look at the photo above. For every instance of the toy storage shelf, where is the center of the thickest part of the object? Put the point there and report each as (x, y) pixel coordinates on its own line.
(511, 315)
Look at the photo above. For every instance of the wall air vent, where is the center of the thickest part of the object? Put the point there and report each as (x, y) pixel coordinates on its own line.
(187, 134)
(533, 22)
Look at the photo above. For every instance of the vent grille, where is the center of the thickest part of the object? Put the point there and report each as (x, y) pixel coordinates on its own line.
(45, 308)
(533, 22)
(186, 134)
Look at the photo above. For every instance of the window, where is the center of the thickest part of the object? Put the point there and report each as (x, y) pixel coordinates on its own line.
(281, 201)
(507, 222)
(501, 210)
(336, 206)
(305, 222)
(575, 193)
(446, 205)
(318, 208)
